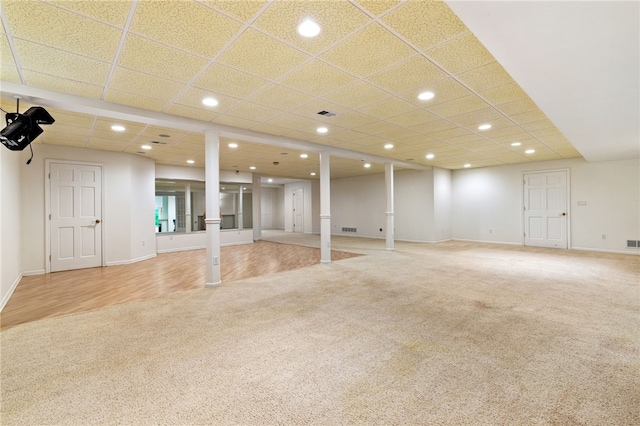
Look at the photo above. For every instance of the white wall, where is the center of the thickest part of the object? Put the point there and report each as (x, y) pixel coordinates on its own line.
(125, 178)
(142, 236)
(491, 198)
(419, 209)
(11, 221)
(442, 186)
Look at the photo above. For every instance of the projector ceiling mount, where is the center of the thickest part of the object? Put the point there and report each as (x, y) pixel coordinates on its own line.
(22, 129)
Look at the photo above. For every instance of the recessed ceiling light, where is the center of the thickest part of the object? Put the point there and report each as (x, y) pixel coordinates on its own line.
(388, 146)
(269, 180)
(147, 147)
(530, 151)
(210, 101)
(322, 130)
(252, 168)
(117, 128)
(467, 165)
(304, 155)
(430, 156)
(190, 161)
(425, 96)
(367, 165)
(233, 145)
(164, 135)
(484, 126)
(308, 28)
(313, 173)
(516, 143)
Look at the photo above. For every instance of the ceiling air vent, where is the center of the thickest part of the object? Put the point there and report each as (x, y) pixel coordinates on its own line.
(159, 142)
(327, 113)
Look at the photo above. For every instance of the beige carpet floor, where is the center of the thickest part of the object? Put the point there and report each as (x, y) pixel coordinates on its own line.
(445, 334)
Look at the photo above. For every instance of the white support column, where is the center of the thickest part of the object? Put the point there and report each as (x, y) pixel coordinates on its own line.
(240, 207)
(212, 220)
(187, 208)
(325, 208)
(256, 198)
(388, 178)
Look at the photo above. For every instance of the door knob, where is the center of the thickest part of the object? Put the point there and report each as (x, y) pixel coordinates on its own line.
(97, 221)
(564, 214)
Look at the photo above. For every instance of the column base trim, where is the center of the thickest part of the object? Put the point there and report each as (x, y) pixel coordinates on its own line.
(211, 285)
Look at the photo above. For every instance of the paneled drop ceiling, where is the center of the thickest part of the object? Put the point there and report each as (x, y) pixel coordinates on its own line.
(368, 65)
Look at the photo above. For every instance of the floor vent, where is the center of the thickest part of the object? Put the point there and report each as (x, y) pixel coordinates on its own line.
(633, 243)
(349, 229)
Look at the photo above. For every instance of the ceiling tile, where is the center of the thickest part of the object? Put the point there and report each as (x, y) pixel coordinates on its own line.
(357, 95)
(52, 26)
(63, 85)
(9, 73)
(378, 7)
(270, 61)
(112, 12)
(337, 20)
(413, 74)
(487, 77)
(243, 10)
(433, 126)
(425, 23)
(456, 132)
(138, 83)
(136, 100)
(529, 117)
(503, 94)
(295, 122)
(190, 112)
(253, 111)
(67, 118)
(458, 106)
(43, 59)
(154, 132)
(281, 97)
(461, 54)
(477, 117)
(317, 78)
(378, 128)
(154, 58)
(388, 108)
(228, 120)
(132, 129)
(193, 96)
(270, 129)
(349, 119)
(187, 25)
(444, 90)
(221, 79)
(70, 139)
(412, 118)
(518, 107)
(537, 125)
(363, 55)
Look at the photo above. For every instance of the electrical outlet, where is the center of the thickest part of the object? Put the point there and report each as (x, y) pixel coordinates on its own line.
(491, 231)
(604, 236)
(215, 260)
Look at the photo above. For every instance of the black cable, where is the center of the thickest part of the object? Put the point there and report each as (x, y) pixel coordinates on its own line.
(31, 158)
(4, 111)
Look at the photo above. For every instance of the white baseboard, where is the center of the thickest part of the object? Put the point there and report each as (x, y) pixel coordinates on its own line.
(486, 242)
(7, 296)
(630, 251)
(173, 250)
(128, 262)
(35, 272)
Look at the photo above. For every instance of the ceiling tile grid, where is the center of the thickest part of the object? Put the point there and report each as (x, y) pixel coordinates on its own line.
(368, 65)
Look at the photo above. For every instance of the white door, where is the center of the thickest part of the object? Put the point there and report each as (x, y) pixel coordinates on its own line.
(76, 213)
(298, 210)
(265, 210)
(545, 209)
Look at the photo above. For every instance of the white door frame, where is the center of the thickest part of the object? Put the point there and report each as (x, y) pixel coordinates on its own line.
(568, 193)
(293, 209)
(47, 208)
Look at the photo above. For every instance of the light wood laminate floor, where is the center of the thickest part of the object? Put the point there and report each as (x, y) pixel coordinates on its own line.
(62, 293)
